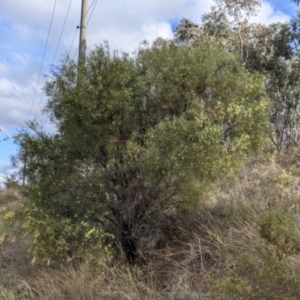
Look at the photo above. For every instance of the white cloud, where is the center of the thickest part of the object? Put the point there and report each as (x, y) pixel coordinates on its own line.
(152, 30)
(268, 15)
(17, 86)
(2, 180)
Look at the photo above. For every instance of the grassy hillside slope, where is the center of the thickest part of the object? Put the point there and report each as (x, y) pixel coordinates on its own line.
(242, 243)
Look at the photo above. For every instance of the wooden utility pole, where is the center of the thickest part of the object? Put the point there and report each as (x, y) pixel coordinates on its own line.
(83, 32)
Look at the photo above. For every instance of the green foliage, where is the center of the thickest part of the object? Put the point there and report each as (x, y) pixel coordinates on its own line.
(57, 238)
(274, 52)
(137, 138)
(233, 288)
(275, 271)
(54, 238)
(270, 50)
(278, 228)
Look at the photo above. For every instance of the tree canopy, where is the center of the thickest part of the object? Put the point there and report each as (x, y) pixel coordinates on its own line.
(137, 138)
(272, 51)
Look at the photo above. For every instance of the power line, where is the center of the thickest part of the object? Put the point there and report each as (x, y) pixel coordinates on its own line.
(43, 59)
(75, 52)
(62, 30)
(72, 42)
(66, 17)
(92, 10)
(92, 6)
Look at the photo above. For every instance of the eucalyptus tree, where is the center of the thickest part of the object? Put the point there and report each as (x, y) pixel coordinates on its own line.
(272, 51)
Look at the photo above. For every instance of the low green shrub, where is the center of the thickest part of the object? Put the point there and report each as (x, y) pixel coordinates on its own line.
(278, 228)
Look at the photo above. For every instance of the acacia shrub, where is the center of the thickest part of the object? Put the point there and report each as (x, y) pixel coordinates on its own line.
(139, 139)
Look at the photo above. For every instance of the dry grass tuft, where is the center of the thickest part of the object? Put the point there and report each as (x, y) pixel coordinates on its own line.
(216, 253)
(9, 198)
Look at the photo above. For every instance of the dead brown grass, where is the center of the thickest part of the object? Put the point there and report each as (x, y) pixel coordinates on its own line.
(217, 252)
(82, 282)
(9, 198)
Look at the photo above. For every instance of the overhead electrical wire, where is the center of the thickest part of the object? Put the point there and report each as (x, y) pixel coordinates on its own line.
(42, 59)
(72, 42)
(92, 10)
(61, 33)
(66, 17)
(93, 5)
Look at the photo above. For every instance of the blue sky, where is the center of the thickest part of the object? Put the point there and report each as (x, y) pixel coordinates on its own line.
(124, 24)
